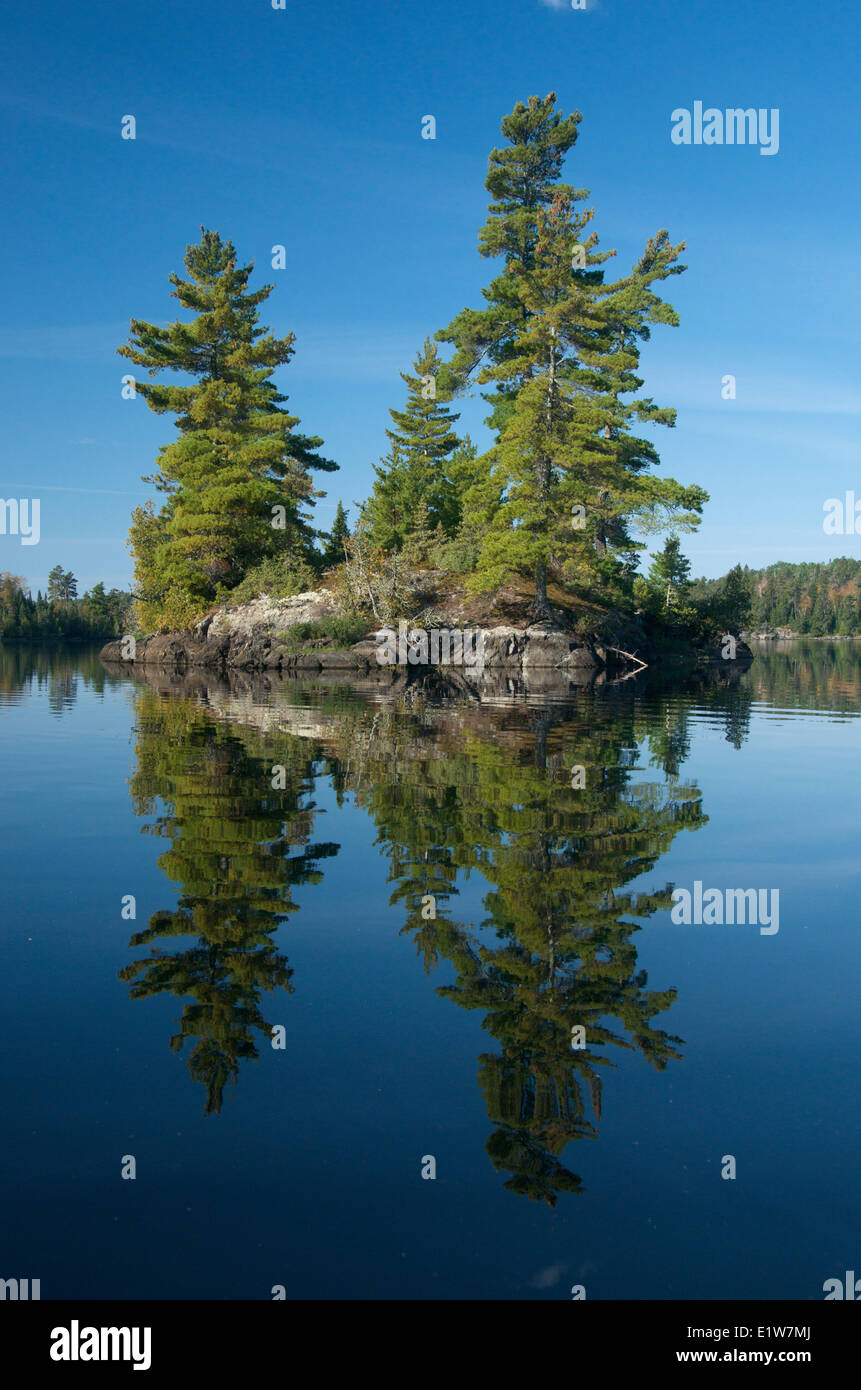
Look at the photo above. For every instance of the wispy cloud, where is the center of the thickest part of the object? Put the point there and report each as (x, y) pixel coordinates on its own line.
(34, 488)
(221, 151)
(695, 387)
(351, 352)
(356, 352)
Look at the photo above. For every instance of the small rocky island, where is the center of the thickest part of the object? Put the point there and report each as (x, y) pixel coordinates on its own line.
(294, 635)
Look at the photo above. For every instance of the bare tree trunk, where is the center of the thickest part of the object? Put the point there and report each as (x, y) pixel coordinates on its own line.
(601, 527)
(540, 606)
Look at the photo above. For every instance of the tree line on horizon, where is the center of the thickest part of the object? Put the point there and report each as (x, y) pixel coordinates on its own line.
(813, 598)
(98, 614)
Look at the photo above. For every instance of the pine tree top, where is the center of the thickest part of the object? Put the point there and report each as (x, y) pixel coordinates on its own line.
(423, 427)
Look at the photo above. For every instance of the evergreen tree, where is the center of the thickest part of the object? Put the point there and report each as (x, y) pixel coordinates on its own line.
(464, 471)
(98, 607)
(669, 574)
(417, 471)
(333, 553)
(523, 181)
(237, 849)
(736, 599)
(238, 459)
(424, 539)
(845, 618)
(392, 507)
(561, 349)
(56, 581)
(62, 585)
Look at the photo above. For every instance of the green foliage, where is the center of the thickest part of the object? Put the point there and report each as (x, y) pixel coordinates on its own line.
(333, 552)
(728, 604)
(338, 631)
(62, 585)
(563, 493)
(424, 540)
(237, 480)
(561, 349)
(815, 598)
(279, 576)
(424, 470)
(97, 616)
(460, 555)
(669, 578)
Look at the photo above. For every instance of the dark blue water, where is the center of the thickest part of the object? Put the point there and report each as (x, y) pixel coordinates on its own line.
(307, 904)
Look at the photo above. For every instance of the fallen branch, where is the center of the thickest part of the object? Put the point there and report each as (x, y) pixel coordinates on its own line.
(641, 665)
(620, 680)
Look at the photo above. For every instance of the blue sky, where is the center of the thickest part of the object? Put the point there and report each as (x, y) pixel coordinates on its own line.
(303, 127)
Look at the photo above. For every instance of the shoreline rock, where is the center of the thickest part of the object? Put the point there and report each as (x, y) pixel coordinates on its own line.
(255, 637)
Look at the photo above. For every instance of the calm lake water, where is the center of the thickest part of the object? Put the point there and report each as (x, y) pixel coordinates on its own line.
(285, 848)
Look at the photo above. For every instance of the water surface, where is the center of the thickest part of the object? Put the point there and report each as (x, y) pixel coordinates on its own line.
(287, 845)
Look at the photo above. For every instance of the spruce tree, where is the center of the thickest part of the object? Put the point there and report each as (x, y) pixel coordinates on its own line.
(237, 480)
(333, 553)
(417, 471)
(425, 539)
(389, 512)
(736, 600)
(669, 574)
(98, 607)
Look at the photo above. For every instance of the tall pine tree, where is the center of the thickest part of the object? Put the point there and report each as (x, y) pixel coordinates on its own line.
(561, 349)
(237, 480)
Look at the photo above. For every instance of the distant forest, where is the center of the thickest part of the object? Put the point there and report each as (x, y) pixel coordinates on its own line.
(60, 613)
(813, 598)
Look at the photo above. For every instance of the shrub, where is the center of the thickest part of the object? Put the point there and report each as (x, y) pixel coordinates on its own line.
(279, 576)
(175, 611)
(459, 556)
(371, 582)
(340, 631)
